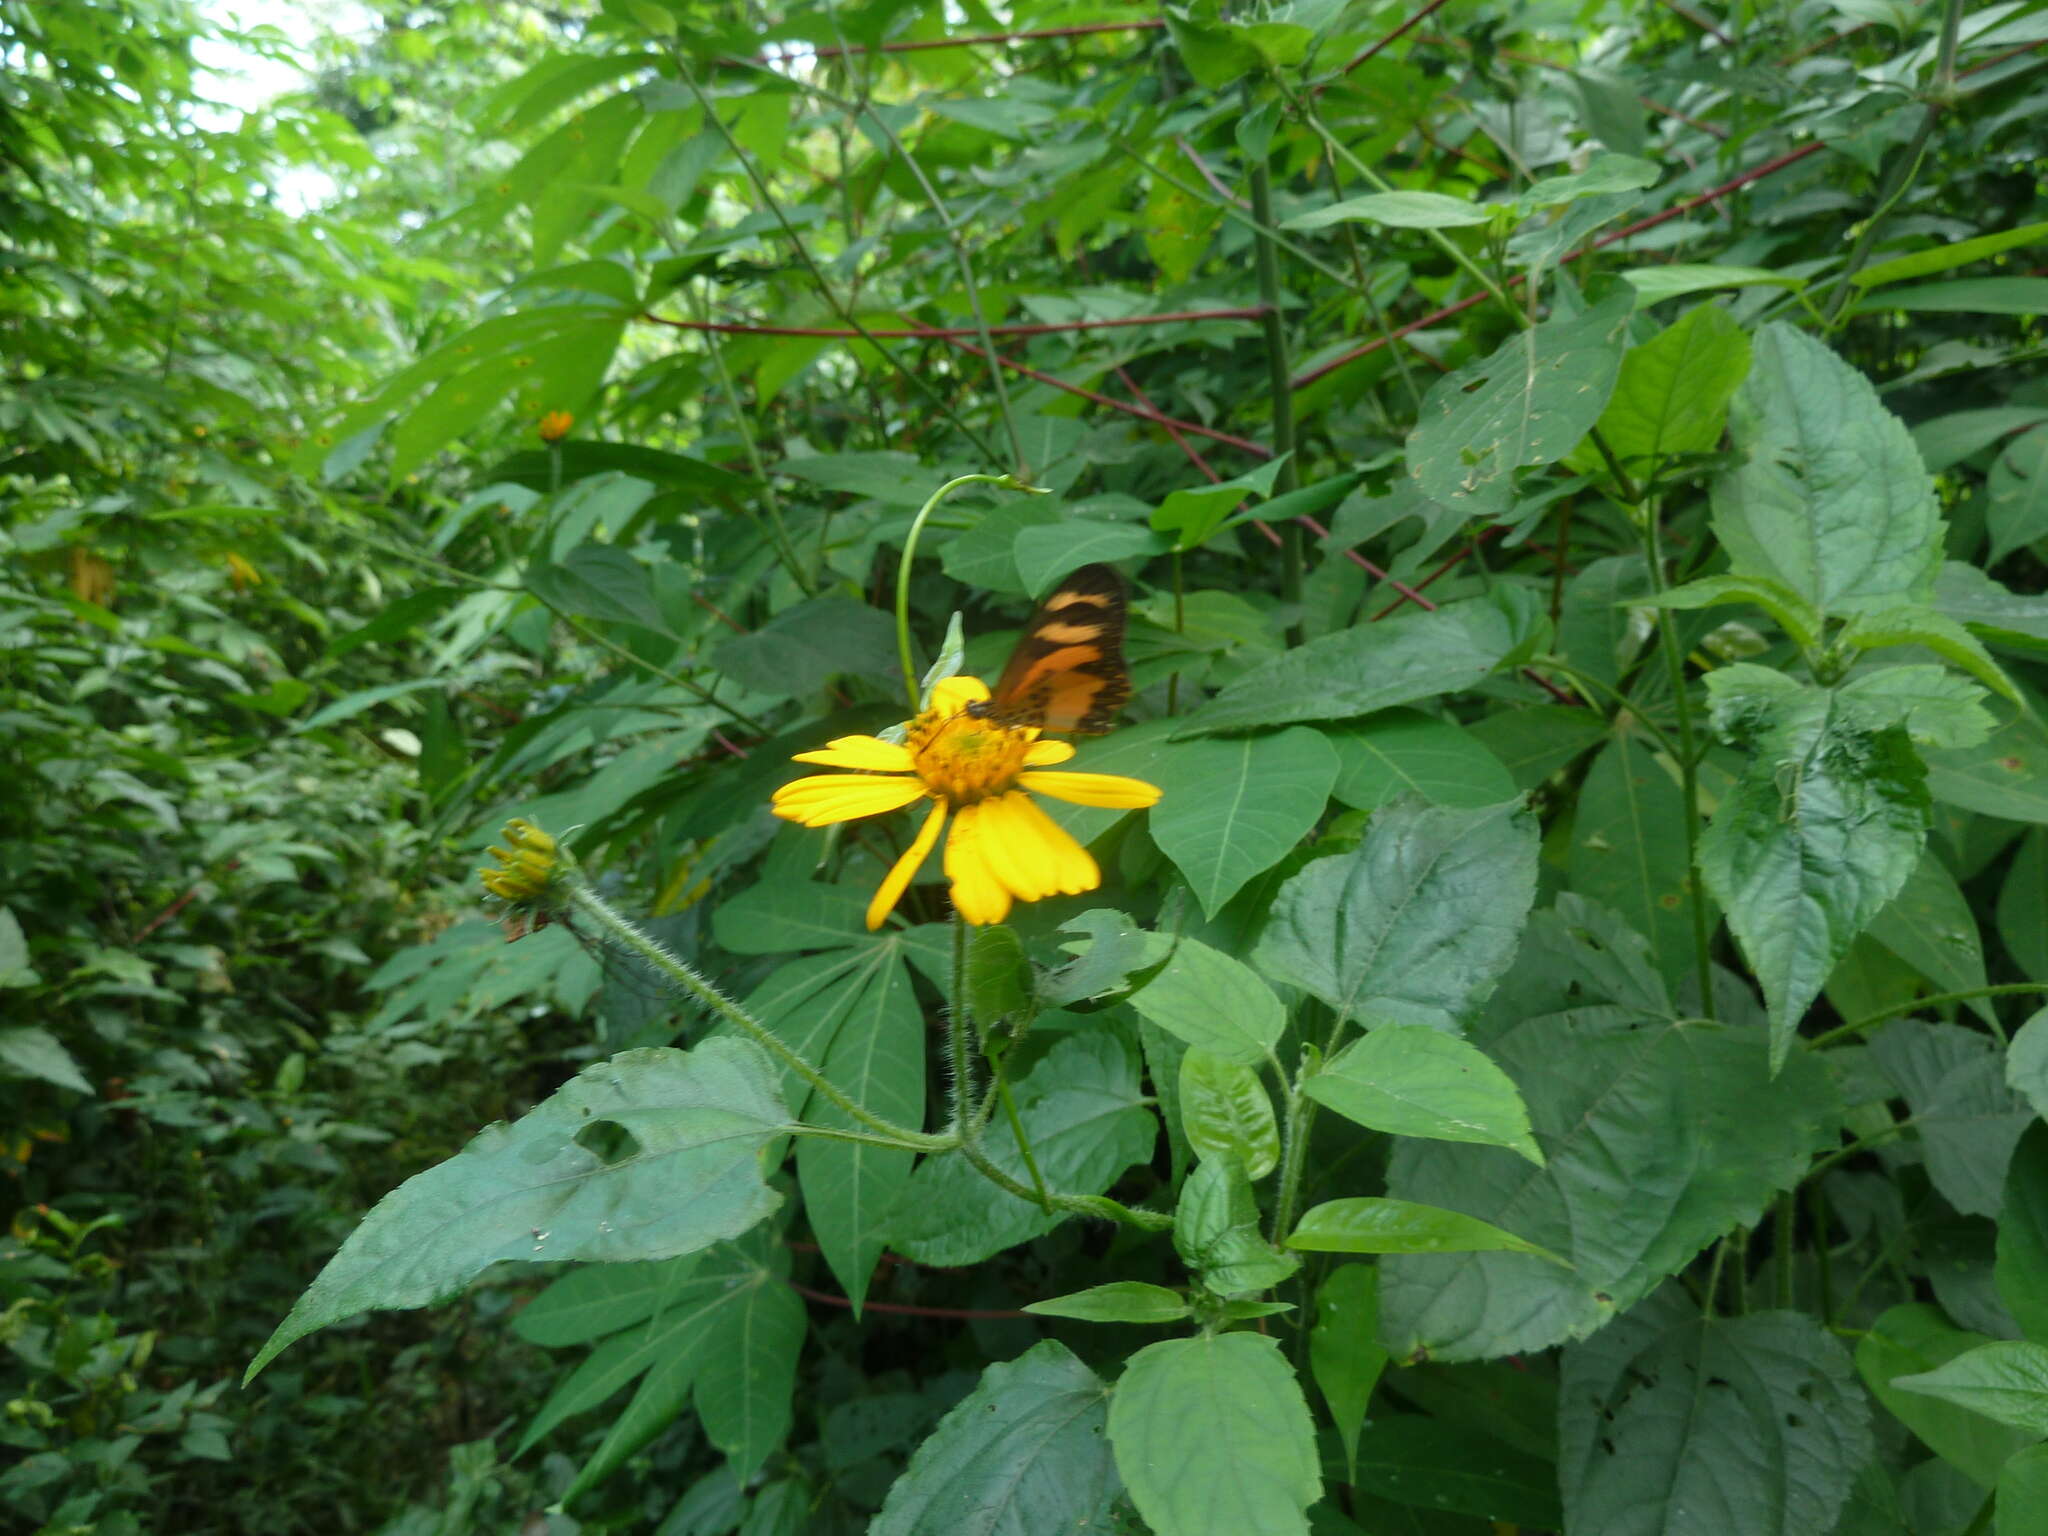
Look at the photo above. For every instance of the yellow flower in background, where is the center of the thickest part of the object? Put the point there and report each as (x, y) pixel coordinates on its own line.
(555, 426)
(92, 579)
(1002, 848)
(525, 868)
(242, 573)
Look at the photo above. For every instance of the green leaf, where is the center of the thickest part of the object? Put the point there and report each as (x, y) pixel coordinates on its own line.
(1931, 704)
(1112, 949)
(1707, 1136)
(1966, 296)
(1084, 1115)
(1529, 403)
(598, 581)
(748, 1372)
(1369, 1224)
(805, 646)
(1344, 1351)
(1216, 1232)
(781, 915)
(1604, 173)
(2023, 915)
(1967, 1119)
(1674, 281)
(1213, 1438)
(2006, 1381)
(1925, 626)
(2026, 1062)
(1411, 1080)
(1405, 752)
(2006, 775)
(2021, 1269)
(1929, 925)
(1828, 496)
(851, 1189)
(1942, 258)
(985, 556)
(1536, 741)
(1025, 1452)
(1629, 850)
(1436, 1465)
(1123, 1301)
(1226, 1111)
(1046, 554)
(1912, 1340)
(1425, 911)
(2023, 1493)
(1673, 393)
(1688, 1426)
(998, 975)
(1213, 1003)
(27, 1050)
(1192, 516)
(674, 1169)
(2018, 492)
(1820, 831)
(593, 1300)
(1233, 809)
(1373, 667)
(1396, 210)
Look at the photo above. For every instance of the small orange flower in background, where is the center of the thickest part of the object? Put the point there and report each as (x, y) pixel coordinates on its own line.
(1002, 848)
(555, 426)
(92, 579)
(242, 573)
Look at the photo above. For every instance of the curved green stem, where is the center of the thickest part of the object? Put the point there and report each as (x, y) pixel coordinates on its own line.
(665, 961)
(1912, 1004)
(1008, 483)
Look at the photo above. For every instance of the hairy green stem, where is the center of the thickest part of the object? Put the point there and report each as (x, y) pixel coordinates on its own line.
(1008, 483)
(667, 963)
(1688, 760)
(1296, 1122)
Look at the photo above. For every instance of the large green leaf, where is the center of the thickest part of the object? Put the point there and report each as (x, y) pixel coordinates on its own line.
(1966, 1117)
(1213, 1438)
(1910, 1340)
(804, 646)
(1411, 1080)
(1234, 808)
(1377, 666)
(1212, 1002)
(1372, 1224)
(1226, 1111)
(649, 1155)
(1435, 1465)
(1022, 1454)
(1676, 1425)
(1660, 1136)
(1673, 393)
(2005, 1380)
(1405, 752)
(1829, 496)
(877, 1060)
(748, 1371)
(2022, 1264)
(1344, 1349)
(1425, 911)
(1085, 1117)
(1528, 403)
(2005, 775)
(1821, 830)
(1929, 926)
(1629, 849)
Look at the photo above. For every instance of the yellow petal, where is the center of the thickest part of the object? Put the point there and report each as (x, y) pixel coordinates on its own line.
(821, 800)
(1015, 853)
(860, 752)
(953, 694)
(1074, 867)
(1105, 789)
(1043, 754)
(978, 895)
(898, 878)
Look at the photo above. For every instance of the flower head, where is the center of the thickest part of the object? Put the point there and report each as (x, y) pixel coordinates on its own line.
(554, 426)
(982, 773)
(526, 868)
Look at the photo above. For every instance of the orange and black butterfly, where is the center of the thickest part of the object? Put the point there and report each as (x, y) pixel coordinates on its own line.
(1068, 673)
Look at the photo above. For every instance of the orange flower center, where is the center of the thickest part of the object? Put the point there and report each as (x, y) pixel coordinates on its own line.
(963, 759)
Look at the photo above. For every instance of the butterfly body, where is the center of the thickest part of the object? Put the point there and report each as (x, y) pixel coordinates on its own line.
(1067, 672)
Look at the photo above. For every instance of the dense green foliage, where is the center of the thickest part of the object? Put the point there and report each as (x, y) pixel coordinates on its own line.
(1564, 1051)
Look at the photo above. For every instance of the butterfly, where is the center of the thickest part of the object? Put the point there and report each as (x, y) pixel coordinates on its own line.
(1068, 672)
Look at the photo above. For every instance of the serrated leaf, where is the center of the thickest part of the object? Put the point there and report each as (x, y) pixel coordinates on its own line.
(1425, 911)
(1529, 403)
(1023, 1454)
(1213, 1438)
(29, 1051)
(677, 1172)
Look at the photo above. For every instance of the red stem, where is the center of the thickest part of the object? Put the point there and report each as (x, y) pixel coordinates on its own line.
(904, 1309)
(954, 333)
(1700, 21)
(1413, 21)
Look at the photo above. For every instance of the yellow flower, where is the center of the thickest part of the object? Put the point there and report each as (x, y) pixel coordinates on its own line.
(555, 426)
(525, 868)
(1002, 847)
(242, 573)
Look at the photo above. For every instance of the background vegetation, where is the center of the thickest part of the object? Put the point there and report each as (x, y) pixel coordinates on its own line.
(1610, 669)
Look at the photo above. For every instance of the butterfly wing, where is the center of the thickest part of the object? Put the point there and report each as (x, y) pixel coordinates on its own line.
(1068, 673)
